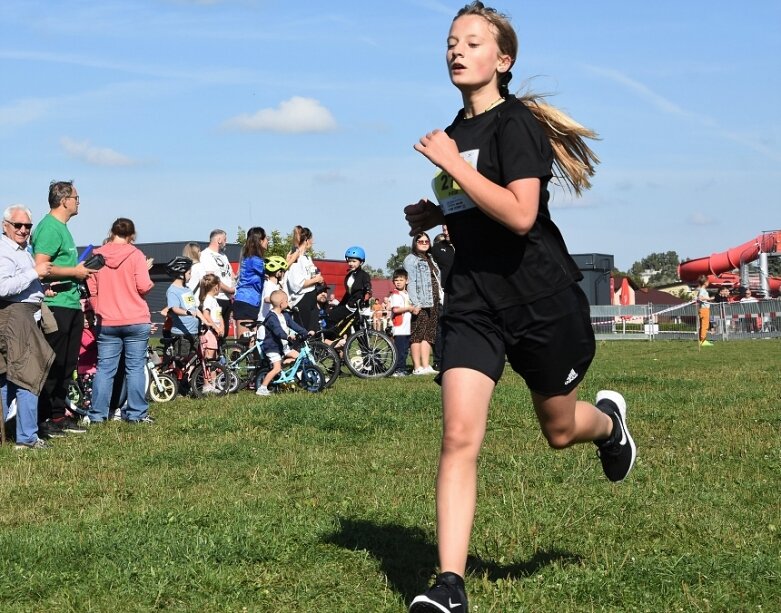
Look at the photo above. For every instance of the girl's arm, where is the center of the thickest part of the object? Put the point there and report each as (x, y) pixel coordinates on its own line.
(514, 206)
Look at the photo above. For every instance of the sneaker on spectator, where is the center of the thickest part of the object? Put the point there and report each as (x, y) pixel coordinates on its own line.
(38, 444)
(263, 391)
(69, 425)
(618, 452)
(144, 420)
(447, 594)
(428, 370)
(116, 415)
(419, 371)
(399, 373)
(49, 429)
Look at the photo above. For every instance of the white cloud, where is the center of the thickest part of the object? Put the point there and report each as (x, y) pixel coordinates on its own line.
(295, 116)
(698, 218)
(23, 111)
(667, 106)
(97, 156)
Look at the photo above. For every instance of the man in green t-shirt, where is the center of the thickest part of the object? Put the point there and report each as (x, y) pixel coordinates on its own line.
(52, 242)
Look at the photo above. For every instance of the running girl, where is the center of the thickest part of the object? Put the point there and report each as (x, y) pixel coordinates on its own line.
(513, 288)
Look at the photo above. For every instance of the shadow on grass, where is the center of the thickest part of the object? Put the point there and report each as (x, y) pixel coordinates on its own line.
(409, 559)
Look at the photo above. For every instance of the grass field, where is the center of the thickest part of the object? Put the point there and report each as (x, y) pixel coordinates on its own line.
(324, 502)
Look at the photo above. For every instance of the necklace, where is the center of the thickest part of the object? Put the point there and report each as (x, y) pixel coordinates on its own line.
(488, 108)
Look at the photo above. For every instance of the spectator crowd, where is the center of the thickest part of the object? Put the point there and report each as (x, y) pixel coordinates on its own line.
(63, 313)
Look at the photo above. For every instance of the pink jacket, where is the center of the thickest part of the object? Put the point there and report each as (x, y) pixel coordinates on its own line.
(117, 290)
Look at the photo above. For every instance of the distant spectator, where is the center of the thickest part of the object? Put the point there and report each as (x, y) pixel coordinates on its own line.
(301, 279)
(52, 242)
(323, 306)
(425, 292)
(123, 322)
(295, 248)
(703, 300)
(252, 275)
(21, 296)
(401, 312)
(275, 267)
(216, 262)
(193, 251)
(751, 319)
(443, 253)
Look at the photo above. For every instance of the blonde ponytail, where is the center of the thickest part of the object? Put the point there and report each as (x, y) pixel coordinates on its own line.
(574, 162)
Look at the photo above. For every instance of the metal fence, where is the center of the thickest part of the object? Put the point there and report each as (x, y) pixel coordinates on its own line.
(729, 321)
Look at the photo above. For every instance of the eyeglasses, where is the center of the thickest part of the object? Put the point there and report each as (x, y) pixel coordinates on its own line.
(423, 242)
(76, 198)
(19, 225)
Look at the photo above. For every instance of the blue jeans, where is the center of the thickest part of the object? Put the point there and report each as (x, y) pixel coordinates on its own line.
(112, 342)
(26, 410)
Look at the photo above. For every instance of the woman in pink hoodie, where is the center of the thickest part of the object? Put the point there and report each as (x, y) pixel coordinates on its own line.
(123, 322)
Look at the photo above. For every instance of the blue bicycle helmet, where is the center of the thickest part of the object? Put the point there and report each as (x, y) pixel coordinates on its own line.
(355, 253)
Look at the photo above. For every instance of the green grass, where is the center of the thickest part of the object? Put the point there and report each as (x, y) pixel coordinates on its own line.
(324, 503)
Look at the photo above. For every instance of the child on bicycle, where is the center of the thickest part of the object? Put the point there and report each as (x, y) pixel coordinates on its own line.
(512, 294)
(212, 320)
(280, 329)
(180, 301)
(357, 285)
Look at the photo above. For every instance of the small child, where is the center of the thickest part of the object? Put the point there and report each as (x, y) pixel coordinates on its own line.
(211, 316)
(401, 308)
(275, 270)
(181, 305)
(280, 328)
(357, 285)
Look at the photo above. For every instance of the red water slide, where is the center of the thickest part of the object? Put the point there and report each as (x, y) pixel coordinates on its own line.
(731, 259)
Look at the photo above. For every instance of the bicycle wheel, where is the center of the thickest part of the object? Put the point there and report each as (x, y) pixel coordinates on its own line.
(327, 360)
(227, 380)
(370, 354)
(202, 385)
(164, 389)
(242, 364)
(311, 379)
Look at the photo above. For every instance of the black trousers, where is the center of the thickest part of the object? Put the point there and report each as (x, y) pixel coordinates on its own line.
(226, 306)
(306, 313)
(65, 342)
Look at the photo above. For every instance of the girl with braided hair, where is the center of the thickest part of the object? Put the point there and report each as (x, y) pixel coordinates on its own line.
(512, 294)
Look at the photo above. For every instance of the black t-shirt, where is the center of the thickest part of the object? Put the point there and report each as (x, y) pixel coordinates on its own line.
(493, 265)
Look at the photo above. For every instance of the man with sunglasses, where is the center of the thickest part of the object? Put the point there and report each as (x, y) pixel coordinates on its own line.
(25, 356)
(52, 242)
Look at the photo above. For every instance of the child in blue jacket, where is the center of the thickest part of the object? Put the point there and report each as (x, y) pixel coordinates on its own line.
(280, 328)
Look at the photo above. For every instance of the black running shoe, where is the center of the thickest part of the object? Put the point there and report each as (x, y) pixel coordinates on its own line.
(69, 425)
(49, 429)
(618, 452)
(447, 595)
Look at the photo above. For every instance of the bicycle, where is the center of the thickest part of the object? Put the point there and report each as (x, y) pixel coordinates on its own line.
(367, 353)
(245, 357)
(161, 387)
(191, 370)
(301, 373)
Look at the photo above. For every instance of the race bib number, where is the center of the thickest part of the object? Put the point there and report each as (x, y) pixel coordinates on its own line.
(449, 194)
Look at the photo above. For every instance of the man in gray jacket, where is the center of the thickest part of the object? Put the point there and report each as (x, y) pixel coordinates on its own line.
(25, 356)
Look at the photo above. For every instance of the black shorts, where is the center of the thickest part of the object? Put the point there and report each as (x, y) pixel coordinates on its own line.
(550, 342)
(243, 311)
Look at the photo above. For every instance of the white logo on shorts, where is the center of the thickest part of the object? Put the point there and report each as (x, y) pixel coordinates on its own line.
(571, 377)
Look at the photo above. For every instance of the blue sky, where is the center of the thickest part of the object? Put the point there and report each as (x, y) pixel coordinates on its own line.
(186, 115)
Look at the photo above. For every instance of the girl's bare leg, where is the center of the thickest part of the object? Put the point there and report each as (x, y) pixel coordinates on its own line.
(466, 394)
(565, 420)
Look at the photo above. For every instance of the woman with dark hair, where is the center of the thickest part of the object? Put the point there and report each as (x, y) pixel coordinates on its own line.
(425, 293)
(252, 274)
(123, 322)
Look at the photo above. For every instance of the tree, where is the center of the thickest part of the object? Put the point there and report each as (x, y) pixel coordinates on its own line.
(277, 243)
(663, 265)
(397, 259)
(374, 273)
